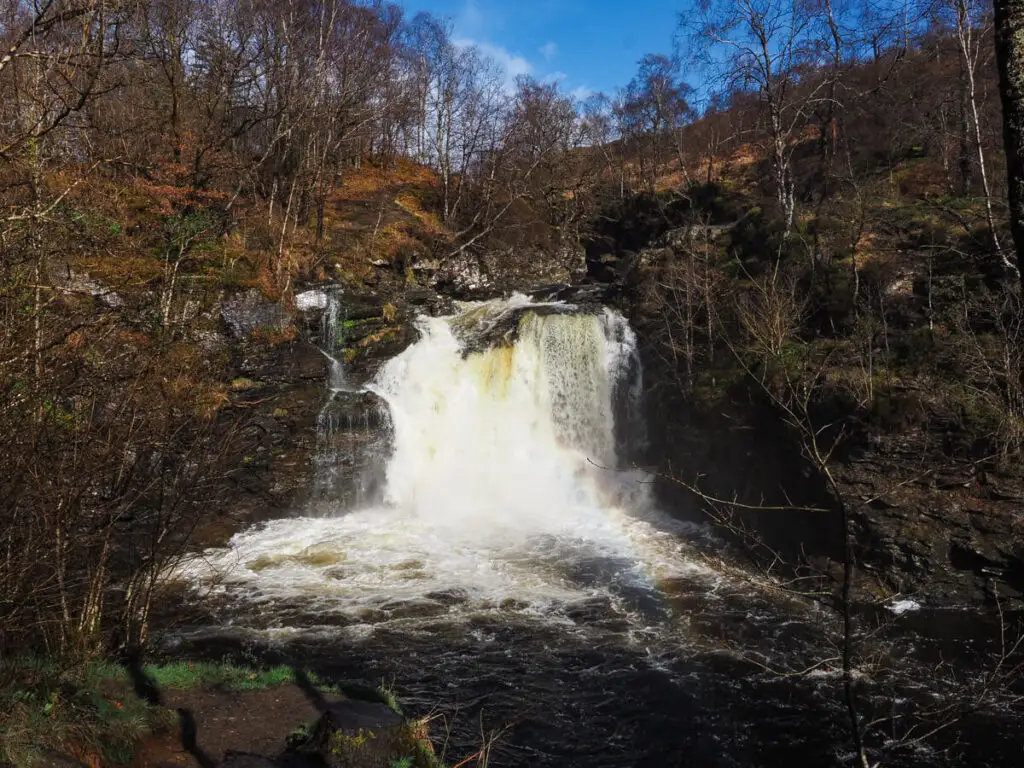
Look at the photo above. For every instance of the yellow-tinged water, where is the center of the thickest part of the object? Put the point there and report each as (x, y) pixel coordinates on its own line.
(494, 369)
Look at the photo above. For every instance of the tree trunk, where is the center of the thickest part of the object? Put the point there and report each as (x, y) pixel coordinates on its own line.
(965, 186)
(969, 113)
(1009, 38)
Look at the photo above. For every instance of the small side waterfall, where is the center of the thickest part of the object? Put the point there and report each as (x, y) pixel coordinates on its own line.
(327, 458)
(332, 338)
(349, 426)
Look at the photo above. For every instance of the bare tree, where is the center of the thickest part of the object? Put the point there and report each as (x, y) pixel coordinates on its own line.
(653, 108)
(764, 45)
(462, 102)
(968, 19)
(1009, 22)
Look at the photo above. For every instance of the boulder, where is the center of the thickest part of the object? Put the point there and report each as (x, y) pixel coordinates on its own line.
(359, 734)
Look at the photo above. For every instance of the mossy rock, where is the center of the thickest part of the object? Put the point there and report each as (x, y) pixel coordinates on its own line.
(359, 734)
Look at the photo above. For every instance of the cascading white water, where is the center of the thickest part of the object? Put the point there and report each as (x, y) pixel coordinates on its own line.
(504, 441)
(330, 332)
(326, 458)
(511, 564)
(503, 476)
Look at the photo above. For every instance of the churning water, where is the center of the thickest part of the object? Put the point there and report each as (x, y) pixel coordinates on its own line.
(515, 571)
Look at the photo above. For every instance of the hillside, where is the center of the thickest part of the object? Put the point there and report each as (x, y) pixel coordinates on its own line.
(218, 221)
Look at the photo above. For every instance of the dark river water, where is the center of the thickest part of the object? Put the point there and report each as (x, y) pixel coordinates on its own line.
(701, 670)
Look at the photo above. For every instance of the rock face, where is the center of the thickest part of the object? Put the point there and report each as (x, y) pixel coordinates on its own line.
(297, 444)
(248, 312)
(494, 273)
(934, 516)
(947, 529)
(274, 401)
(944, 531)
(353, 435)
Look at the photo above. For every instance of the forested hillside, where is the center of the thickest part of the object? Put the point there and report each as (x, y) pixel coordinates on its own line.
(803, 205)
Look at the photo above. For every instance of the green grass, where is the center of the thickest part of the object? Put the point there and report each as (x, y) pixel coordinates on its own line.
(387, 692)
(184, 675)
(32, 672)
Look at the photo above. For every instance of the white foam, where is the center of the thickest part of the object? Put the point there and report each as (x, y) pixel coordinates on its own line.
(308, 300)
(904, 606)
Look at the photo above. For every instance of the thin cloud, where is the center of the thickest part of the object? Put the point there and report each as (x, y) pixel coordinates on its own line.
(471, 18)
(581, 93)
(513, 64)
(554, 78)
(549, 50)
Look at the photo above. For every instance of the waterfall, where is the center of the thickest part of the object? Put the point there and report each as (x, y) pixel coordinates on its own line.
(331, 336)
(497, 439)
(350, 424)
(327, 458)
(504, 479)
(329, 301)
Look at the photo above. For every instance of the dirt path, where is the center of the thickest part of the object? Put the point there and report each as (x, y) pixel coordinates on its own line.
(214, 722)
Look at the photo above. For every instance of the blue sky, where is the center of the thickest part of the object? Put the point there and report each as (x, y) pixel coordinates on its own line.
(588, 45)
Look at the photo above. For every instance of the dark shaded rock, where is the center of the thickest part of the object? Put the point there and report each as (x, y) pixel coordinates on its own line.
(246, 760)
(247, 312)
(359, 734)
(362, 307)
(930, 523)
(585, 293)
(941, 533)
(273, 404)
(421, 296)
(625, 228)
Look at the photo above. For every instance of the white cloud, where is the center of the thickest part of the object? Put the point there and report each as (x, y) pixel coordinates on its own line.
(513, 64)
(581, 93)
(549, 50)
(554, 77)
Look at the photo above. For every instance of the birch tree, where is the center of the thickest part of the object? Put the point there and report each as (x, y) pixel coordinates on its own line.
(761, 46)
(969, 22)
